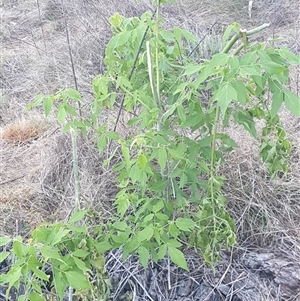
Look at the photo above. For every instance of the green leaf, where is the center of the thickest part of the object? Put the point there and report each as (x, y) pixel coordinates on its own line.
(142, 161)
(41, 234)
(162, 158)
(144, 256)
(148, 217)
(225, 95)
(167, 35)
(272, 67)
(158, 206)
(292, 102)
(173, 230)
(48, 103)
(126, 155)
(277, 100)
(49, 252)
(3, 256)
(173, 243)
(162, 251)
(4, 240)
(241, 90)
(102, 143)
(18, 247)
(175, 154)
(61, 114)
(120, 226)
(112, 135)
(103, 246)
(73, 94)
(80, 253)
(69, 109)
(185, 224)
(289, 56)
(77, 280)
(39, 273)
(162, 217)
(80, 264)
(34, 296)
(189, 71)
(250, 70)
(13, 279)
(77, 216)
(181, 113)
(59, 235)
(38, 101)
(60, 283)
(178, 258)
(146, 234)
(122, 205)
(130, 247)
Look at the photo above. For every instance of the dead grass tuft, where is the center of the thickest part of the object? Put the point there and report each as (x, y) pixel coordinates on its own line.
(23, 131)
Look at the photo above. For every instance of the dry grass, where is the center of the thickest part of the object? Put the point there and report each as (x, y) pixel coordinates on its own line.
(36, 178)
(22, 131)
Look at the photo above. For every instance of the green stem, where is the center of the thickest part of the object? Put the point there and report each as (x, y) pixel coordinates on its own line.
(238, 35)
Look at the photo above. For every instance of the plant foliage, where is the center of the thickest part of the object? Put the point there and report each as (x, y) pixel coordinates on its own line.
(170, 188)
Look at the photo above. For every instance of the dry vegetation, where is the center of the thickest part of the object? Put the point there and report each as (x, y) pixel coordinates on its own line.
(35, 173)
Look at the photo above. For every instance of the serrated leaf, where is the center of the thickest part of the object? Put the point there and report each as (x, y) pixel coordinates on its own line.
(34, 296)
(80, 264)
(173, 230)
(3, 256)
(178, 258)
(80, 253)
(77, 280)
(250, 70)
(18, 247)
(181, 113)
(59, 235)
(73, 94)
(112, 135)
(158, 206)
(161, 216)
(162, 251)
(60, 283)
(185, 224)
(289, 56)
(122, 205)
(69, 109)
(146, 234)
(175, 154)
(225, 95)
(120, 226)
(130, 246)
(272, 67)
(77, 216)
(167, 35)
(102, 143)
(142, 161)
(292, 102)
(192, 70)
(277, 100)
(173, 243)
(48, 103)
(49, 252)
(39, 273)
(144, 256)
(162, 158)
(4, 240)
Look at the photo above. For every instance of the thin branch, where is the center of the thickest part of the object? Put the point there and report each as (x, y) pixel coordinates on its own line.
(42, 27)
